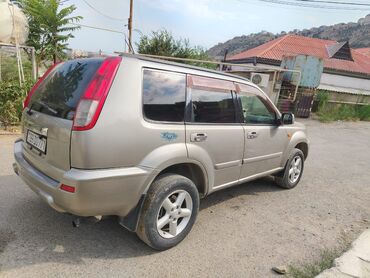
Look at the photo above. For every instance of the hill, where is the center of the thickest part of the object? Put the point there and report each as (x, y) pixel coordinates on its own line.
(357, 33)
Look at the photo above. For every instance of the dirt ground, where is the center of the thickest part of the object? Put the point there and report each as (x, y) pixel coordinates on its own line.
(240, 232)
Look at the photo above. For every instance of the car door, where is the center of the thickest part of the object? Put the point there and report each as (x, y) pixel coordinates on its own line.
(214, 136)
(265, 140)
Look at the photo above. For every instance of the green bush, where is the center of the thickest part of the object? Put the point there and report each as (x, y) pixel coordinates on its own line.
(9, 68)
(344, 112)
(12, 96)
(322, 97)
(364, 113)
(163, 43)
(328, 112)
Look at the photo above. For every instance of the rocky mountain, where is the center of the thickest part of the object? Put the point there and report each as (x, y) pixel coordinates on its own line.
(358, 35)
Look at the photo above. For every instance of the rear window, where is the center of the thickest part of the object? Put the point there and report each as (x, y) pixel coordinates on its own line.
(164, 96)
(58, 95)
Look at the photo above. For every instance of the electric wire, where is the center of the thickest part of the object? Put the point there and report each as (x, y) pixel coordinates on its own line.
(98, 28)
(310, 4)
(335, 2)
(105, 29)
(101, 13)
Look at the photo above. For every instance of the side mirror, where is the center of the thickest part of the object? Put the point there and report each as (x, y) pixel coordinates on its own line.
(287, 118)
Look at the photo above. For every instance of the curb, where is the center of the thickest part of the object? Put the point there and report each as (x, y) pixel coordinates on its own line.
(10, 133)
(353, 263)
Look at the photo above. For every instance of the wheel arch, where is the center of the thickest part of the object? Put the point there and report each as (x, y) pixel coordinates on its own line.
(192, 171)
(299, 140)
(303, 146)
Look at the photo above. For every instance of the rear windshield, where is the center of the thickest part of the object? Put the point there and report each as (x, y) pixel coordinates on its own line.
(58, 95)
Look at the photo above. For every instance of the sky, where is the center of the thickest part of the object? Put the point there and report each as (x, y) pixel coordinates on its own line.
(204, 22)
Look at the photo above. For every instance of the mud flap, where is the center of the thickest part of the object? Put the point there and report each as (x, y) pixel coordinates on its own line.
(130, 220)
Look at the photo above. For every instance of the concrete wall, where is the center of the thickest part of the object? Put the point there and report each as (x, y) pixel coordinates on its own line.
(339, 83)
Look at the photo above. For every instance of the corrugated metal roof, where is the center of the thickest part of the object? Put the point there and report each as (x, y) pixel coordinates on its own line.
(298, 45)
(343, 90)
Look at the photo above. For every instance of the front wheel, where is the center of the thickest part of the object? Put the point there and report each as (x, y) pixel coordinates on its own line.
(169, 211)
(292, 173)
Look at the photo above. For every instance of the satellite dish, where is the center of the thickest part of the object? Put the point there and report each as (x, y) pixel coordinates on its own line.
(13, 22)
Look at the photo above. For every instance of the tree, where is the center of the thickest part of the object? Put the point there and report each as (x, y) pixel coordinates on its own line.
(49, 28)
(11, 99)
(163, 43)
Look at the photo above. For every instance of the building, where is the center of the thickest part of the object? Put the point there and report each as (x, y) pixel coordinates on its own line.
(345, 73)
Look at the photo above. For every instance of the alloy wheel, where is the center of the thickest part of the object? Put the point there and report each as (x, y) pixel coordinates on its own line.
(174, 214)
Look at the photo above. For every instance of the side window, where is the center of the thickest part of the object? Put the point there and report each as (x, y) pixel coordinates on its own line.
(212, 106)
(164, 95)
(255, 109)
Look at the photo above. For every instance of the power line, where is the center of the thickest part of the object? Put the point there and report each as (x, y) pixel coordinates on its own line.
(335, 2)
(101, 13)
(297, 6)
(311, 5)
(106, 29)
(98, 28)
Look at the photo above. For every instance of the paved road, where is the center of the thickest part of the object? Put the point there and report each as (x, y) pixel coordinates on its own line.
(240, 232)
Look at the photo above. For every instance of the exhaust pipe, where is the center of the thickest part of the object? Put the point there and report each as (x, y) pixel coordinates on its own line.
(16, 169)
(77, 221)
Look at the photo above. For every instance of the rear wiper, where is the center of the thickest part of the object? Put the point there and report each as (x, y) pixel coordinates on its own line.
(29, 111)
(47, 107)
(43, 104)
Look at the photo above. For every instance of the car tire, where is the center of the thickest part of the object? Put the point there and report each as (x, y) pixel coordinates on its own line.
(169, 211)
(292, 173)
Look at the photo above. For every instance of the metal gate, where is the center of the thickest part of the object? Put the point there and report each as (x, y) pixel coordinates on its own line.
(304, 104)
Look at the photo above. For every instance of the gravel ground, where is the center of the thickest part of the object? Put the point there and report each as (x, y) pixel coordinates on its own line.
(240, 232)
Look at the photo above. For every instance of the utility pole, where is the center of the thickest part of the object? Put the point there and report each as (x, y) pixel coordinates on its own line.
(130, 26)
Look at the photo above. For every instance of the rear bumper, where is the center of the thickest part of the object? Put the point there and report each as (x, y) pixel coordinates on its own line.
(98, 192)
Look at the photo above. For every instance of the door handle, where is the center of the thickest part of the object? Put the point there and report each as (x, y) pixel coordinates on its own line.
(252, 135)
(198, 137)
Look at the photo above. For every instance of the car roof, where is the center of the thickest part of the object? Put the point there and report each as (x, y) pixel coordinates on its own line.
(170, 63)
(200, 70)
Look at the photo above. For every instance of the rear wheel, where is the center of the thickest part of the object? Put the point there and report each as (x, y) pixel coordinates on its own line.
(292, 173)
(169, 211)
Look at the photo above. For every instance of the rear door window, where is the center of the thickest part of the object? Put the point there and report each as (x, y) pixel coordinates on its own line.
(164, 95)
(212, 107)
(212, 100)
(58, 95)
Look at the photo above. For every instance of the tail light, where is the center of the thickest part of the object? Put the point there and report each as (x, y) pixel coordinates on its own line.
(91, 103)
(68, 188)
(28, 98)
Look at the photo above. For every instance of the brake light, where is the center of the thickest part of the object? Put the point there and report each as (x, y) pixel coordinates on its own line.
(28, 98)
(68, 188)
(91, 103)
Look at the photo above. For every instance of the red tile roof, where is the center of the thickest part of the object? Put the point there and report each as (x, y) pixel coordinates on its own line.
(364, 51)
(289, 45)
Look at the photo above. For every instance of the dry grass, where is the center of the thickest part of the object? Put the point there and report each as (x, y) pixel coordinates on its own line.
(325, 261)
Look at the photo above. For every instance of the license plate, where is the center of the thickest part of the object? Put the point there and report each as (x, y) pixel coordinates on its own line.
(37, 141)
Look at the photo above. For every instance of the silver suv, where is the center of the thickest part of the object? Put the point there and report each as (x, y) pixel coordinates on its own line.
(144, 140)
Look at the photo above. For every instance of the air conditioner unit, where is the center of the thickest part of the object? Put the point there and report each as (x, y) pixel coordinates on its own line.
(260, 79)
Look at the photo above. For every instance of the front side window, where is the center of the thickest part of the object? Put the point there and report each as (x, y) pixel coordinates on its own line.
(255, 109)
(164, 95)
(212, 106)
